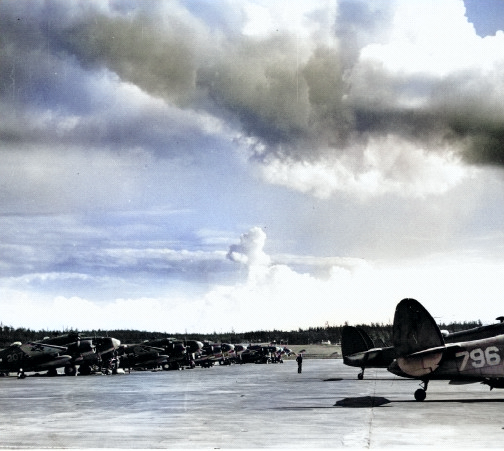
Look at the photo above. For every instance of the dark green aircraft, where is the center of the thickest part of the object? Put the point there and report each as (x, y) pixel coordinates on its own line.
(359, 350)
(423, 353)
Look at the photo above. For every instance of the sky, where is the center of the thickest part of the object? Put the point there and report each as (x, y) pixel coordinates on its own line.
(218, 166)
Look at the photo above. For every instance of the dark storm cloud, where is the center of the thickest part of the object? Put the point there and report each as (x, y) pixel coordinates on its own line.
(295, 100)
(471, 106)
(40, 74)
(162, 63)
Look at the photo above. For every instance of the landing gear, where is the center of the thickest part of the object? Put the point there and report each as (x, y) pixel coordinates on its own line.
(360, 376)
(421, 393)
(70, 370)
(51, 372)
(84, 370)
(21, 374)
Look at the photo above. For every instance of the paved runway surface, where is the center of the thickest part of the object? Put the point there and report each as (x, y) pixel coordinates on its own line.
(247, 406)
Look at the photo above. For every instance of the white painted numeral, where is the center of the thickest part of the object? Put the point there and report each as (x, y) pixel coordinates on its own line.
(466, 358)
(479, 358)
(492, 355)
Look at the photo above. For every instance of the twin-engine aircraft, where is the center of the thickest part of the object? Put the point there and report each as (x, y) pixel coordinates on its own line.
(422, 353)
(212, 353)
(18, 358)
(66, 351)
(181, 354)
(167, 353)
(88, 353)
(141, 356)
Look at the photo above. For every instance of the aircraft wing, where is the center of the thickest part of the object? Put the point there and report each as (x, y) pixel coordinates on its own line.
(144, 349)
(37, 349)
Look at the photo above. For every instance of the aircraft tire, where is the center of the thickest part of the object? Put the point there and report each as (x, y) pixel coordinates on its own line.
(70, 370)
(420, 394)
(360, 376)
(84, 370)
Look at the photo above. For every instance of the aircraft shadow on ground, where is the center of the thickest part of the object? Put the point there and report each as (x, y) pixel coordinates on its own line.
(354, 379)
(460, 400)
(379, 401)
(362, 401)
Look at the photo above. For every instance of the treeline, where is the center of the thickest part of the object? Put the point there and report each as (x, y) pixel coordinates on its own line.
(381, 334)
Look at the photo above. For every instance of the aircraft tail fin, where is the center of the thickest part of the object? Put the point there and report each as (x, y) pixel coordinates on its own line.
(354, 340)
(414, 328)
(418, 342)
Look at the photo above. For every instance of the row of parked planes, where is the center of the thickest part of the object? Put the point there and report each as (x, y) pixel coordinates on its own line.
(420, 350)
(106, 355)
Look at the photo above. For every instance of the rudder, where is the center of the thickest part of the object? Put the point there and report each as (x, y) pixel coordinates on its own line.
(354, 340)
(414, 328)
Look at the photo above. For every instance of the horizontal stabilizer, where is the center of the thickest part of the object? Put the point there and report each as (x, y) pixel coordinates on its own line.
(420, 364)
(427, 352)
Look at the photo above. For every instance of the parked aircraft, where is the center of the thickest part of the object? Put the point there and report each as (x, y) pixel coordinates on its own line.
(223, 353)
(255, 354)
(33, 357)
(264, 354)
(181, 354)
(238, 351)
(277, 352)
(141, 356)
(88, 353)
(167, 353)
(359, 350)
(423, 354)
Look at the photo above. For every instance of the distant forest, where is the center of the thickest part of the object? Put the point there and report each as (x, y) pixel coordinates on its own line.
(381, 334)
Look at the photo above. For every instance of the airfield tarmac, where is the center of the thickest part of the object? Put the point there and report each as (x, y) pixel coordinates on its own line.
(247, 406)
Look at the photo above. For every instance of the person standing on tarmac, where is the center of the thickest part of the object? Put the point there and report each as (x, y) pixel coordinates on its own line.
(299, 360)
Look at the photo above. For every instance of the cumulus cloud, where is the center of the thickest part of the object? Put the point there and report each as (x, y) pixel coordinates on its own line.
(132, 106)
(279, 292)
(319, 86)
(250, 250)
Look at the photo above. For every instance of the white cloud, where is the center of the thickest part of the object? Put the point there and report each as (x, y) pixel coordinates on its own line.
(265, 18)
(434, 38)
(274, 296)
(392, 105)
(250, 250)
(388, 165)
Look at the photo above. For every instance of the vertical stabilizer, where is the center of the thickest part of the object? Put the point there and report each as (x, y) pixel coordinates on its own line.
(354, 340)
(414, 328)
